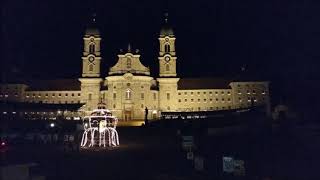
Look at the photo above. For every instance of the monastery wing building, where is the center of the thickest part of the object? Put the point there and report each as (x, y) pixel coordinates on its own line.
(128, 89)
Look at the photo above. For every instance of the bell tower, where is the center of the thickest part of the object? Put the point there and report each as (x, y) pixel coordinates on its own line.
(168, 81)
(91, 56)
(167, 51)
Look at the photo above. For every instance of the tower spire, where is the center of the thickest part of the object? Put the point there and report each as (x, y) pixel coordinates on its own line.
(166, 15)
(129, 47)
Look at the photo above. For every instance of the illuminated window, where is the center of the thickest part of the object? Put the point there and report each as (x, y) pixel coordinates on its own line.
(263, 92)
(128, 94)
(166, 48)
(91, 67)
(248, 92)
(39, 95)
(253, 92)
(168, 96)
(46, 95)
(229, 93)
(167, 67)
(91, 48)
(128, 62)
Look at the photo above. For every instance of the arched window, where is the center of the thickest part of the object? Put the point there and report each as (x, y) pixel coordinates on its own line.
(167, 67)
(91, 67)
(167, 48)
(91, 48)
(128, 94)
(128, 63)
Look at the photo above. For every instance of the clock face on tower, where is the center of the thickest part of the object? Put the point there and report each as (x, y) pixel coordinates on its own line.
(91, 59)
(167, 58)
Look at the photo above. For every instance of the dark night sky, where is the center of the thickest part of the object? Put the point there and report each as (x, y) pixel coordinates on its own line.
(276, 40)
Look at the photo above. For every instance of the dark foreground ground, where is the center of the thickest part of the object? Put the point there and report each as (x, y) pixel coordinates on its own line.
(142, 155)
(155, 153)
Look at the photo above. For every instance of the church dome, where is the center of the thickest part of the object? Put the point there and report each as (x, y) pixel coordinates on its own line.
(92, 29)
(166, 29)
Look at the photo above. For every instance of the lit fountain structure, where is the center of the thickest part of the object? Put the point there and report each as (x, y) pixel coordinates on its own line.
(100, 129)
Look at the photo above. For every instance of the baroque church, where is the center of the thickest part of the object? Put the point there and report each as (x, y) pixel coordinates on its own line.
(128, 90)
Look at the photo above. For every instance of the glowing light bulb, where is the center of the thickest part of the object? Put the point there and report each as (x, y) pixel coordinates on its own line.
(52, 125)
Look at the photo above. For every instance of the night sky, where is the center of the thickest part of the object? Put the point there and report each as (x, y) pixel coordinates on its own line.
(275, 40)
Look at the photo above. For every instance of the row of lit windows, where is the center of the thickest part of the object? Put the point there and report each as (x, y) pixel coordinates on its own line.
(129, 95)
(55, 102)
(209, 108)
(52, 95)
(205, 100)
(249, 99)
(253, 92)
(59, 112)
(210, 93)
(128, 84)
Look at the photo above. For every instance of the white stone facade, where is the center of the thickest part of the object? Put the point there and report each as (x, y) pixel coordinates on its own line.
(129, 89)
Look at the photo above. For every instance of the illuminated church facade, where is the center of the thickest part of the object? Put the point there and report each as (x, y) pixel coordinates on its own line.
(128, 89)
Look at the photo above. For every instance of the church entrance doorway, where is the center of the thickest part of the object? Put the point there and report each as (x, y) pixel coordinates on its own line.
(127, 115)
